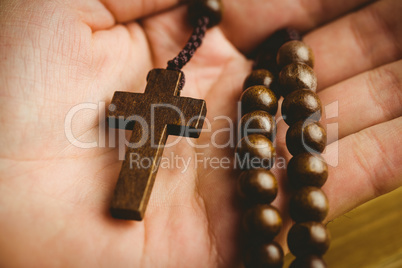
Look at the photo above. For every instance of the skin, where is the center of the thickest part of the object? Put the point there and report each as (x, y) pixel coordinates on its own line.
(54, 197)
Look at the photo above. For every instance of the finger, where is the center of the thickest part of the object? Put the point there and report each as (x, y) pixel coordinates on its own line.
(364, 101)
(103, 14)
(122, 60)
(90, 12)
(247, 23)
(304, 15)
(127, 10)
(358, 42)
(93, 13)
(370, 165)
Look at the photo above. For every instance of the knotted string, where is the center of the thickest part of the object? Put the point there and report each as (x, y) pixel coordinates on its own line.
(188, 51)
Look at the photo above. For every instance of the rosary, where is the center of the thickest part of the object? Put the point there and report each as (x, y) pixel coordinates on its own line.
(283, 68)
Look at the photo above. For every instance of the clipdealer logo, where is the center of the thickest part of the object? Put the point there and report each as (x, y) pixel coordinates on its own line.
(224, 137)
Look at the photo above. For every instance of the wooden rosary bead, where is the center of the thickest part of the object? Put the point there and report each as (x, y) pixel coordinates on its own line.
(266, 255)
(256, 151)
(267, 51)
(258, 186)
(308, 238)
(306, 137)
(262, 223)
(310, 261)
(309, 204)
(213, 9)
(259, 77)
(301, 105)
(307, 170)
(297, 76)
(295, 51)
(259, 98)
(258, 122)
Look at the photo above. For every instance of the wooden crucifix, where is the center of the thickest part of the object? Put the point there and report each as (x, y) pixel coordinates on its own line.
(152, 116)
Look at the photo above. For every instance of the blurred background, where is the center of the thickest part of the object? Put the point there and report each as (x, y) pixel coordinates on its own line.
(369, 236)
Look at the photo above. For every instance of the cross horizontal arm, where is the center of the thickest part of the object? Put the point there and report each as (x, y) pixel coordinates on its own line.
(184, 116)
(125, 106)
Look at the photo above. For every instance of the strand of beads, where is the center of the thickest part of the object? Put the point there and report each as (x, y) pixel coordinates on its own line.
(306, 139)
(257, 185)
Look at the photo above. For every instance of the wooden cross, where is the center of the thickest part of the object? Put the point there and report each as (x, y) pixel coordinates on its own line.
(173, 115)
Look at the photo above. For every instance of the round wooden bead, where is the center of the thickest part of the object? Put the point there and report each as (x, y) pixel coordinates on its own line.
(308, 204)
(259, 77)
(258, 122)
(295, 52)
(306, 137)
(267, 51)
(310, 261)
(255, 151)
(308, 238)
(262, 222)
(307, 169)
(265, 255)
(259, 98)
(258, 186)
(301, 105)
(213, 9)
(297, 76)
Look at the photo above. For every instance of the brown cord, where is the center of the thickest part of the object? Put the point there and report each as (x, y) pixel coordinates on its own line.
(188, 51)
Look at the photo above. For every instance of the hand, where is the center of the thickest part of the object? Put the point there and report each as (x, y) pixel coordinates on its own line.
(54, 196)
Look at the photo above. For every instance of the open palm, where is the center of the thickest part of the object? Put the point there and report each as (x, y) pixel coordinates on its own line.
(54, 196)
